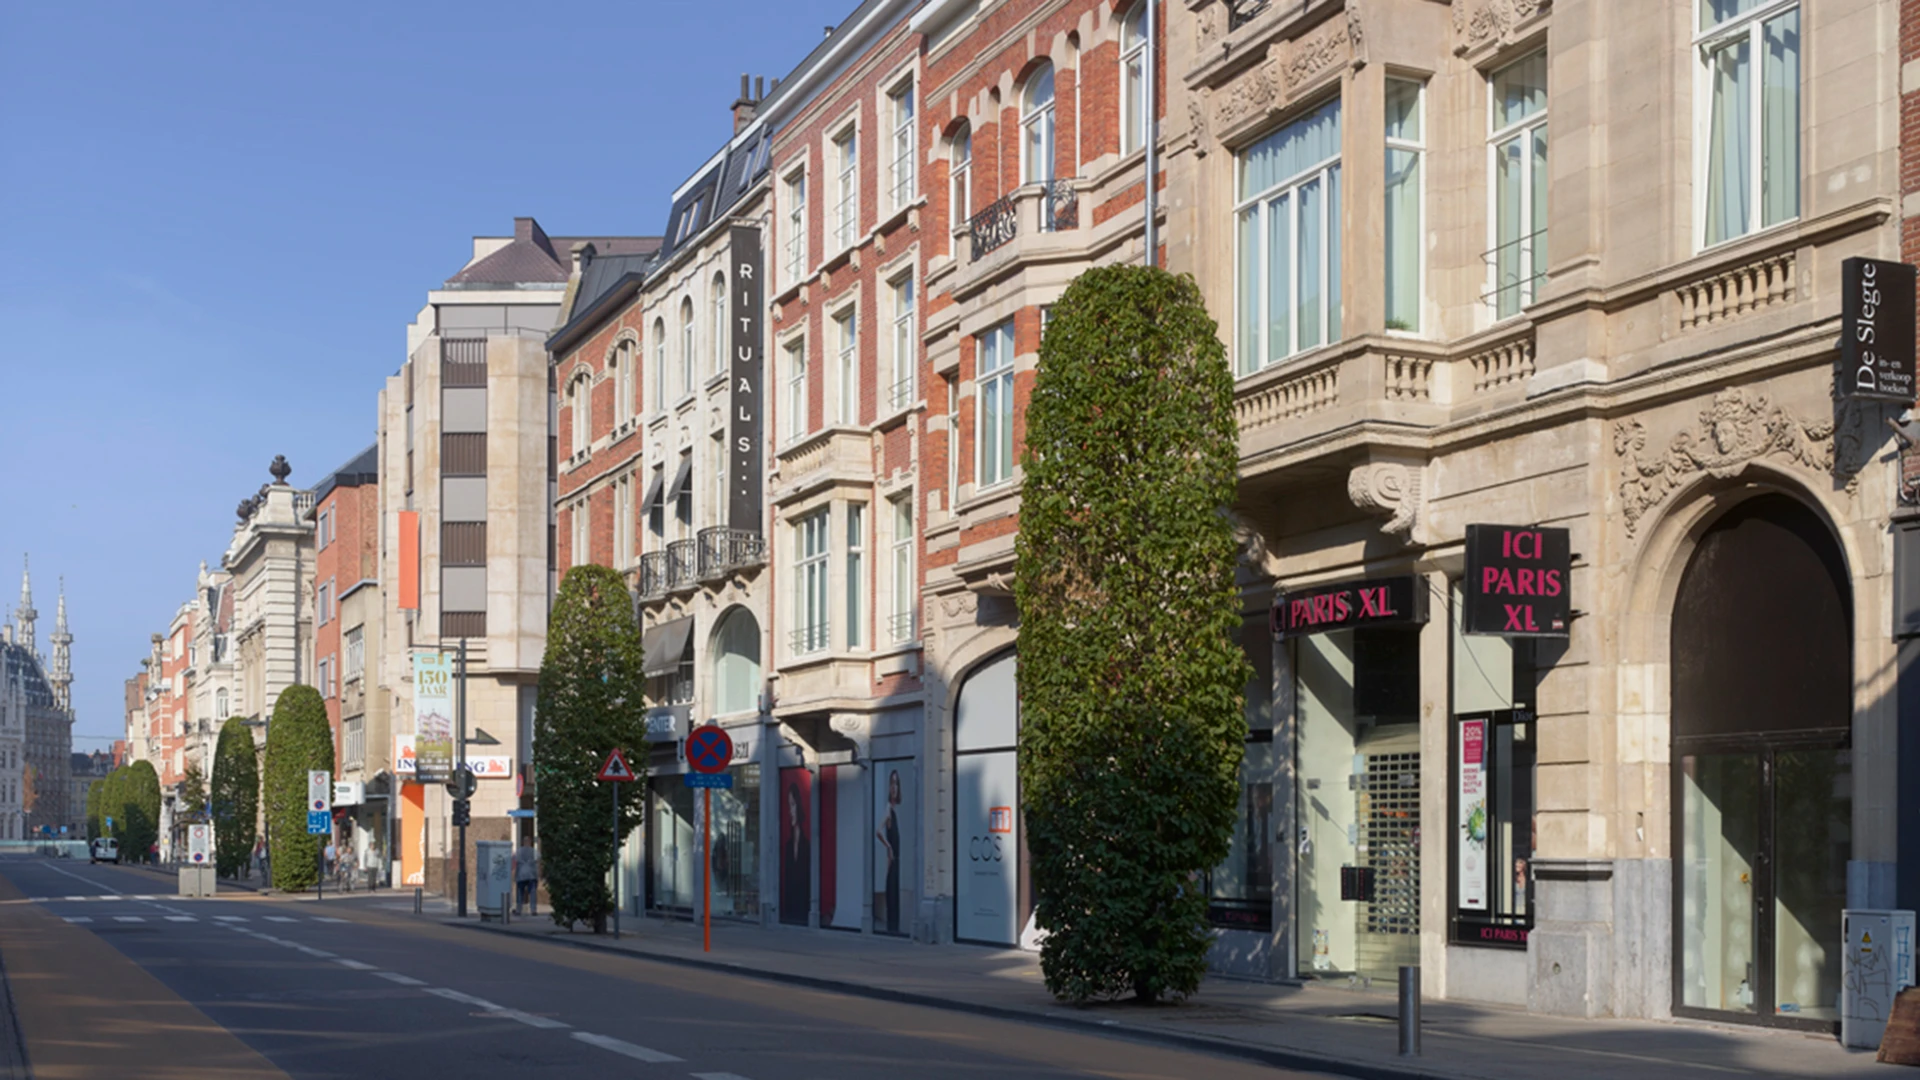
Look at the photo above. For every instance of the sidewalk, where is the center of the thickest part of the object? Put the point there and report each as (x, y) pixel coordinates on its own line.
(1352, 1033)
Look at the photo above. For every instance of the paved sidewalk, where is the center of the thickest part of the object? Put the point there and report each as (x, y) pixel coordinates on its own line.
(1352, 1033)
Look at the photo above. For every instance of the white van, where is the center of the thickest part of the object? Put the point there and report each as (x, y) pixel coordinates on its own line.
(104, 849)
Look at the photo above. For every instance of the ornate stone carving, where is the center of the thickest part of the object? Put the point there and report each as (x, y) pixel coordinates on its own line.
(1476, 22)
(955, 605)
(1250, 545)
(1250, 95)
(1356, 33)
(1739, 426)
(1388, 487)
(1197, 122)
(1324, 47)
(1207, 23)
(854, 726)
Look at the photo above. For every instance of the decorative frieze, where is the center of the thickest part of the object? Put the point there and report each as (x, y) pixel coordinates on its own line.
(1479, 22)
(1738, 427)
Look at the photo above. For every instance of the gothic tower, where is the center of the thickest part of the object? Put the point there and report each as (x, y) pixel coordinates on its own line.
(23, 618)
(62, 674)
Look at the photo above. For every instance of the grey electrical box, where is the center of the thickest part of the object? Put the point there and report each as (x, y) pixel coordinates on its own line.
(1876, 963)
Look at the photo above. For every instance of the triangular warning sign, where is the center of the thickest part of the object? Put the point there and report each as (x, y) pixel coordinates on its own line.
(1866, 936)
(616, 769)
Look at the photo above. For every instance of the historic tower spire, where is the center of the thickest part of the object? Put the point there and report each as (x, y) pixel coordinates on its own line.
(24, 617)
(62, 674)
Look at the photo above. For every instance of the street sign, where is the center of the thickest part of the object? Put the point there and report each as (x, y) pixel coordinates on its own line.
(616, 769)
(709, 749)
(319, 822)
(462, 783)
(319, 791)
(708, 780)
(199, 844)
(520, 813)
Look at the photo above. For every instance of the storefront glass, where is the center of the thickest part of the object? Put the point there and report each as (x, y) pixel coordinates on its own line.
(736, 845)
(796, 845)
(1493, 741)
(986, 820)
(1240, 889)
(843, 832)
(672, 846)
(1357, 763)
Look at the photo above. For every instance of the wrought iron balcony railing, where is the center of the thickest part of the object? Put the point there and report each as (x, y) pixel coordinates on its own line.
(902, 393)
(653, 575)
(683, 563)
(808, 639)
(993, 226)
(724, 550)
(1242, 12)
(900, 625)
(1059, 206)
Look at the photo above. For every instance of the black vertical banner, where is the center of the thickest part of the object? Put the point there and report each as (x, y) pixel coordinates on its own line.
(744, 453)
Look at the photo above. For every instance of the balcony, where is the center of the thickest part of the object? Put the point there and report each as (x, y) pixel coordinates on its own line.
(822, 458)
(724, 550)
(807, 639)
(653, 575)
(683, 560)
(993, 226)
(1242, 12)
(900, 626)
(1058, 210)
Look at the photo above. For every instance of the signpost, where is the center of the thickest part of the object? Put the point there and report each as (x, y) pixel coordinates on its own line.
(709, 752)
(1876, 329)
(615, 771)
(199, 844)
(320, 816)
(1517, 581)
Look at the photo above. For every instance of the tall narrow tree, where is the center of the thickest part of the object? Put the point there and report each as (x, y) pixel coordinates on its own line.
(1131, 681)
(235, 801)
(591, 686)
(193, 795)
(140, 793)
(298, 740)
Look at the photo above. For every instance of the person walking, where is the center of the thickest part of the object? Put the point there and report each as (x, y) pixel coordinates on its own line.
(526, 875)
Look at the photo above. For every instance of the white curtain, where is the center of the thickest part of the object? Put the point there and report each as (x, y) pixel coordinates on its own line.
(1403, 240)
(1729, 155)
(1279, 277)
(1780, 120)
(1249, 274)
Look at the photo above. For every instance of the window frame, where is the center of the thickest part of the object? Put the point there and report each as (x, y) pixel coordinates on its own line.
(846, 182)
(903, 114)
(960, 177)
(846, 376)
(689, 382)
(901, 624)
(1001, 376)
(1039, 120)
(1418, 148)
(856, 572)
(793, 416)
(793, 189)
(904, 376)
(659, 372)
(623, 383)
(812, 608)
(718, 325)
(1329, 172)
(578, 524)
(624, 522)
(1133, 79)
(1520, 130)
(1750, 24)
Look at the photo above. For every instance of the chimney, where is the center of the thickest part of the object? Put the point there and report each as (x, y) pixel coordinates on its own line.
(744, 106)
(583, 252)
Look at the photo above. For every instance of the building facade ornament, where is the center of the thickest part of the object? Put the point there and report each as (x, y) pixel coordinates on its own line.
(1251, 95)
(1389, 487)
(1736, 428)
(1477, 22)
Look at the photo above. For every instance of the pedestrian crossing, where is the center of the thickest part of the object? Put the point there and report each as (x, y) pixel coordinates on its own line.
(229, 919)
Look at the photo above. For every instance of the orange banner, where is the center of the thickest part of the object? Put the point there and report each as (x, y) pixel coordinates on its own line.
(413, 834)
(409, 560)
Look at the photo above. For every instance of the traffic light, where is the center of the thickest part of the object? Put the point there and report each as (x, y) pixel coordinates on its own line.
(462, 812)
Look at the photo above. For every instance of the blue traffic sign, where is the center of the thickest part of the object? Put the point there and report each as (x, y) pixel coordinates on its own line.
(319, 822)
(709, 780)
(709, 749)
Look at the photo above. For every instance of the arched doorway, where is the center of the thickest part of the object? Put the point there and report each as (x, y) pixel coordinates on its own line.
(989, 892)
(1762, 677)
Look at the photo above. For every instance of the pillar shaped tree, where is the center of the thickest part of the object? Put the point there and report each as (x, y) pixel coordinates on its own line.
(234, 802)
(298, 740)
(591, 687)
(1131, 680)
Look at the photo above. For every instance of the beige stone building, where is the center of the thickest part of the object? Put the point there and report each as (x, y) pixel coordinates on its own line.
(270, 560)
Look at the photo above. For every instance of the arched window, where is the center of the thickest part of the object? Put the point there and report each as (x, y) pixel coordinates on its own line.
(1036, 127)
(577, 405)
(220, 704)
(686, 345)
(623, 376)
(1133, 79)
(960, 175)
(720, 335)
(659, 373)
(736, 663)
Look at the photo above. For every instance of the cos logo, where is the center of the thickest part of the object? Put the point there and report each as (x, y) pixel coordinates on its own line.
(984, 849)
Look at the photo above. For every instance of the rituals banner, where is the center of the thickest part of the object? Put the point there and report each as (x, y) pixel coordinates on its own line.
(746, 374)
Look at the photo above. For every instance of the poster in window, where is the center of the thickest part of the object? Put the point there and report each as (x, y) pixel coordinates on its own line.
(1473, 815)
(796, 846)
(894, 831)
(842, 825)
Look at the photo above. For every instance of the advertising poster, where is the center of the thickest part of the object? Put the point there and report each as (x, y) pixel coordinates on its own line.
(796, 845)
(989, 855)
(432, 716)
(1473, 815)
(842, 824)
(413, 834)
(895, 827)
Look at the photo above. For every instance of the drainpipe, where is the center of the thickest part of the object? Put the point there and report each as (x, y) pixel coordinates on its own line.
(1151, 129)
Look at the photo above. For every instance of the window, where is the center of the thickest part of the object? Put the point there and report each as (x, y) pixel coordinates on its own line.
(356, 652)
(960, 176)
(994, 429)
(796, 261)
(810, 583)
(718, 348)
(624, 522)
(847, 376)
(686, 345)
(353, 742)
(1289, 244)
(736, 664)
(323, 605)
(1036, 127)
(623, 378)
(577, 397)
(323, 530)
(1493, 747)
(1404, 146)
(846, 195)
(900, 105)
(902, 381)
(577, 554)
(900, 588)
(953, 440)
(856, 575)
(656, 509)
(325, 677)
(659, 373)
(220, 704)
(1133, 79)
(683, 499)
(793, 418)
(1749, 134)
(1518, 148)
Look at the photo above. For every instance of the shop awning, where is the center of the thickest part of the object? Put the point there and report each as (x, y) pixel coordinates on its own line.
(680, 477)
(665, 644)
(653, 495)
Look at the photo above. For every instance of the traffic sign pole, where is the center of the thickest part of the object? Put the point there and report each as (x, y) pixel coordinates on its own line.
(616, 860)
(706, 874)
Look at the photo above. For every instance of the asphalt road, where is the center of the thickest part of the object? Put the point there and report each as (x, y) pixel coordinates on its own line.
(112, 976)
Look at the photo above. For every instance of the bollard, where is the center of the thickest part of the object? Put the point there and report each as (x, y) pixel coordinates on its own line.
(417, 901)
(1409, 1010)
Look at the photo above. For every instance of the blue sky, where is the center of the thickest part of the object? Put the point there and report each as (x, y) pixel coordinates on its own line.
(220, 218)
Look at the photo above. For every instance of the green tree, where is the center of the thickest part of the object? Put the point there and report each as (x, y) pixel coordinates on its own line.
(299, 739)
(235, 801)
(193, 795)
(1131, 680)
(591, 684)
(140, 802)
(93, 808)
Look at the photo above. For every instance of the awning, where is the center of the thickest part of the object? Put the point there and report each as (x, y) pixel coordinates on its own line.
(653, 495)
(680, 478)
(665, 644)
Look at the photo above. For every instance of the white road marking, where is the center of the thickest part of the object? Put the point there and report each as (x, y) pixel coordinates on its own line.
(143, 898)
(502, 1011)
(129, 918)
(403, 980)
(229, 918)
(78, 898)
(79, 918)
(354, 964)
(621, 1046)
(84, 881)
(181, 918)
(718, 1076)
(327, 918)
(280, 918)
(318, 954)
(464, 999)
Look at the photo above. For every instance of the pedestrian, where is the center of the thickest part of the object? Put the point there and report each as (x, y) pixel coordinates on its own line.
(526, 874)
(333, 862)
(258, 862)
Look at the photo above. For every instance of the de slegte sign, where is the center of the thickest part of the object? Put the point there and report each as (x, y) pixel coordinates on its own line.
(1517, 581)
(1345, 605)
(1876, 329)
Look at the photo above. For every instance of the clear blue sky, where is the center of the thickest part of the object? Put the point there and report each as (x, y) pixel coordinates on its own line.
(220, 217)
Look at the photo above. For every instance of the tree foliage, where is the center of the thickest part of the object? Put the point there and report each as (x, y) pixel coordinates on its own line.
(235, 801)
(130, 795)
(93, 807)
(299, 739)
(591, 684)
(193, 794)
(1131, 678)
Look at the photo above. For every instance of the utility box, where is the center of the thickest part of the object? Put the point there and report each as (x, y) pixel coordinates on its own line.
(1876, 963)
(197, 881)
(494, 889)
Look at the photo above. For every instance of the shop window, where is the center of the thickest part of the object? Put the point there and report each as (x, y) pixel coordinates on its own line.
(736, 664)
(843, 834)
(1240, 889)
(895, 830)
(1493, 744)
(674, 845)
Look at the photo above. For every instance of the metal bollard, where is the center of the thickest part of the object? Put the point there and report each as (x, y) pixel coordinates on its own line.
(1409, 1010)
(417, 900)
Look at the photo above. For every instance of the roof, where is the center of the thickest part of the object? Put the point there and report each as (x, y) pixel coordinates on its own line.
(19, 667)
(534, 258)
(363, 469)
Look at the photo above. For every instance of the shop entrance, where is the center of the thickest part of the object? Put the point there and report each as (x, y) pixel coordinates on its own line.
(1762, 714)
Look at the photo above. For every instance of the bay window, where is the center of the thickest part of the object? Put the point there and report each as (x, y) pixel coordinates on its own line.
(810, 583)
(1518, 147)
(1288, 263)
(1405, 147)
(1036, 127)
(900, 589)
(1749, 130)
(856, 575)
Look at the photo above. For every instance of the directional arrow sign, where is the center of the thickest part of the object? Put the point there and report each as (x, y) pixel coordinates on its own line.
(616, 769)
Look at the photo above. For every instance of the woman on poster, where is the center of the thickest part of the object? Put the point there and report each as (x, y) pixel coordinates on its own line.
(889, 835)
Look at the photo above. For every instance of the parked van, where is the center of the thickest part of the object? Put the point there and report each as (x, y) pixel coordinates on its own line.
(105, 849)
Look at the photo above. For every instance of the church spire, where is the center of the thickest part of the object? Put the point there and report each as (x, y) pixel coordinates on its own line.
(62, 674)
(25, 616)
